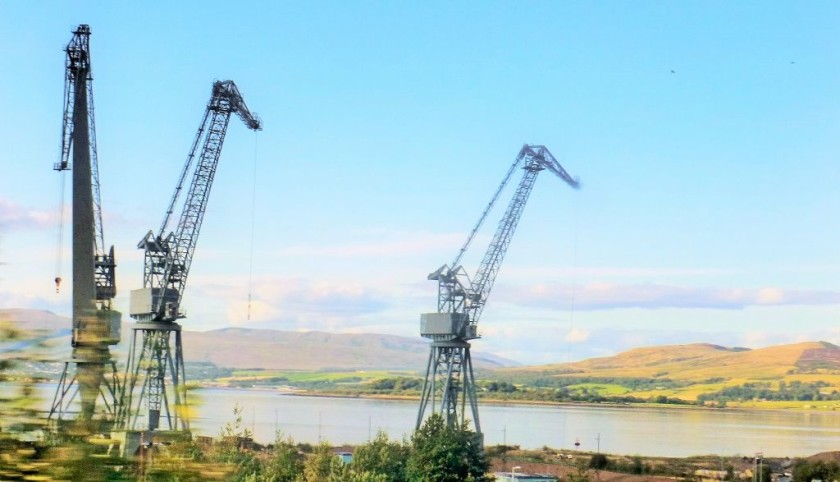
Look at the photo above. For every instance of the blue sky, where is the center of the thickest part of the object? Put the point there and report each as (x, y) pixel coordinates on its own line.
(705, 135)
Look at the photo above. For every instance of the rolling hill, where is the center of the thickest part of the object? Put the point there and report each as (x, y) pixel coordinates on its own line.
(675, 373)
(687, 371)
(241, 348)
(701, 361)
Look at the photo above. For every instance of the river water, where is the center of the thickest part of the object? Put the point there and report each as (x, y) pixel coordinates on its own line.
(621, 430)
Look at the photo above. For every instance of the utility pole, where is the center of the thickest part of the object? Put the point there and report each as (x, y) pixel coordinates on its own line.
(504, 446)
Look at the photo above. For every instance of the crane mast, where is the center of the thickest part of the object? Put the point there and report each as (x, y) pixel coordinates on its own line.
(167, 261)
(96, 325)
(450, 382)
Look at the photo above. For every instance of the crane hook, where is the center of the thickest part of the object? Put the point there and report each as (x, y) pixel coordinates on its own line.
(57, 283)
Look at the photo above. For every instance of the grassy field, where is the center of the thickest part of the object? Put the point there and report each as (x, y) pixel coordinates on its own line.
(307, 379)
(606, 389)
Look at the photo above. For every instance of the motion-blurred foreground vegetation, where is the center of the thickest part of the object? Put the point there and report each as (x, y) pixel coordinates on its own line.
(30, 450)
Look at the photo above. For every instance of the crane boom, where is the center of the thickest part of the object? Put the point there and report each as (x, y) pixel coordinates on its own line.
(167, 262)
(487, 210)
(461, 301)
(537, 158)
(168, 256)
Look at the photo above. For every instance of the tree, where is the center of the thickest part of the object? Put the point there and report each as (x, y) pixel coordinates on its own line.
(765, 473)
(598, 462)
(442, 453)
(19, 412)
(229, 450)
(321, 464)
(806, 471)
(382, 457)
(19, 417)
(730, 472)
(580, 474)
(285, 463)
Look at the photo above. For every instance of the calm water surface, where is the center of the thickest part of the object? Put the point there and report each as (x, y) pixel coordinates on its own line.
(642, 431)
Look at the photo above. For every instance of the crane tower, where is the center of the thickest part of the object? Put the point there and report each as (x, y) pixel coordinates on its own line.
(168, 256)
(450, 382)
(91, 372)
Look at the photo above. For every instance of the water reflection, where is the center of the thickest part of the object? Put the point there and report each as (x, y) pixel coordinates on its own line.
(626, 430)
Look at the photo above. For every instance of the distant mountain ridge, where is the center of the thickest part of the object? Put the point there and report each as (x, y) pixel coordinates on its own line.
(706, 366)
(270, 349)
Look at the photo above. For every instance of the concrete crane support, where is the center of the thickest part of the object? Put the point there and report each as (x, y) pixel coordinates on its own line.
(153, 366)
(91, 372)
(450, 384)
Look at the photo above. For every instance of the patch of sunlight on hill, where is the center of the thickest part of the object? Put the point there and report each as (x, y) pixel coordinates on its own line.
(684, 393)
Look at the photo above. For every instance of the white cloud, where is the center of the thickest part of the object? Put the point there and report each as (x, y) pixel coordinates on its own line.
(15, 216)
(394, 244)
(594, 272)
(605, 296)
(288, 303)
(577, 335)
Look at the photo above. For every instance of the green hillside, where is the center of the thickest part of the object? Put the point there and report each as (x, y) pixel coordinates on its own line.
(802, 375)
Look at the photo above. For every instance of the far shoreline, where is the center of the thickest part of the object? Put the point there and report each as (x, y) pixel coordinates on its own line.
(498, 402)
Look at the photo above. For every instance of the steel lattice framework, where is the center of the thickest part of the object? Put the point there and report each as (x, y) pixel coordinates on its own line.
(91, 372)
(168, 258)
(450, 382)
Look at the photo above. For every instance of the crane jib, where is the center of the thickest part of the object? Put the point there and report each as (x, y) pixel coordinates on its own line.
(456, 292)
(450, 382)
(168, 257)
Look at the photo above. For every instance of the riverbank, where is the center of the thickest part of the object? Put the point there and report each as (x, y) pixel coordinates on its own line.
(757, 405)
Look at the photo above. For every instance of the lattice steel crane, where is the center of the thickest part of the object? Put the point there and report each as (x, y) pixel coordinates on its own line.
(450, 382)
(96, 325)
(168, 257)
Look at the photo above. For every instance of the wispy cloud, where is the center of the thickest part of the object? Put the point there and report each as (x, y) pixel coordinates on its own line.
(577, 335)
(382, 244)
(605, 296)
(16, 216)
(292, 303)
(597, 272)
(563, 345)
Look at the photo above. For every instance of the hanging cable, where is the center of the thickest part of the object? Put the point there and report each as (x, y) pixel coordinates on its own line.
(60, 241)
(253, 222)
(574, 284)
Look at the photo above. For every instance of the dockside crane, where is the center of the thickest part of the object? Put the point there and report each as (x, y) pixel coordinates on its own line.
(450, 382)
(91, 372)
(167, 259)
